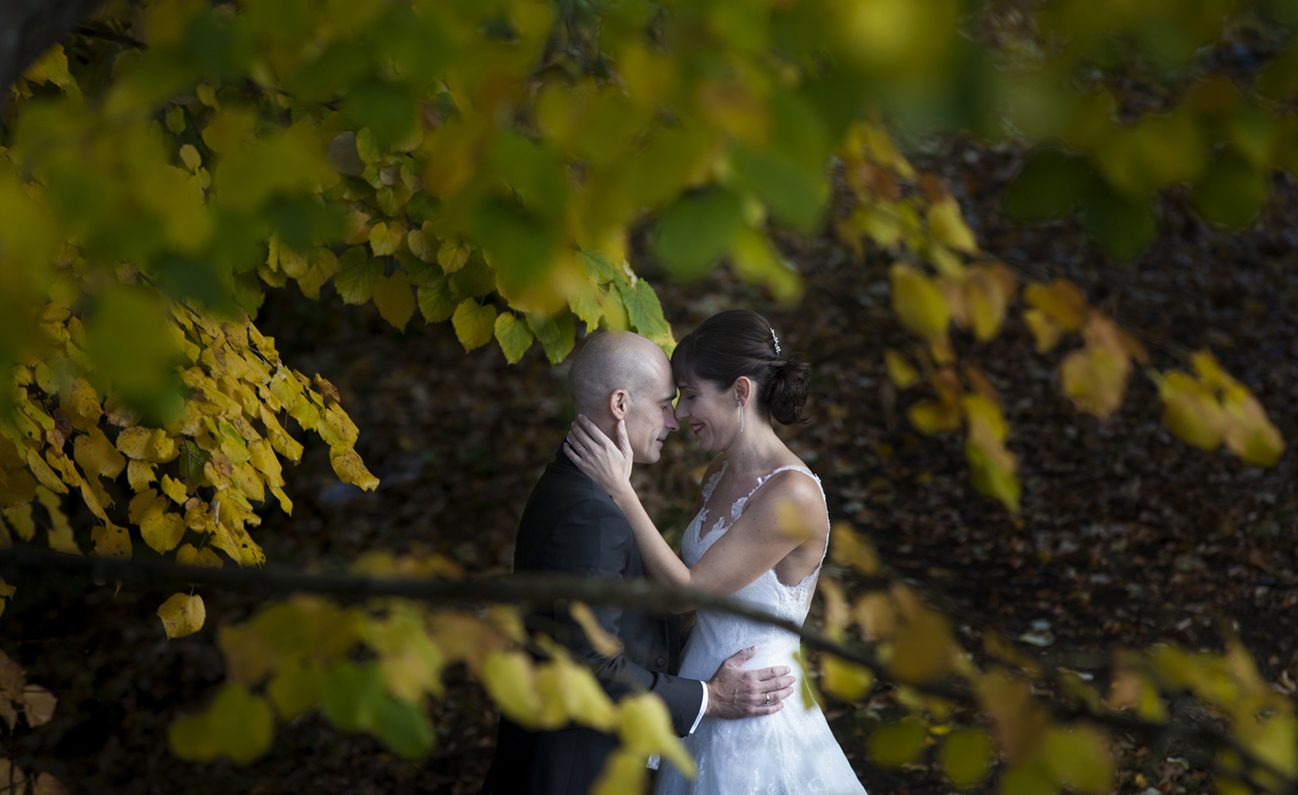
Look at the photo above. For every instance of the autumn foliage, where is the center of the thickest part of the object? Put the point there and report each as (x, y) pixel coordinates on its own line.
(492, 165)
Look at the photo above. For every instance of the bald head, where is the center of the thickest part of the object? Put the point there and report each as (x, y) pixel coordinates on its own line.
(613, 360)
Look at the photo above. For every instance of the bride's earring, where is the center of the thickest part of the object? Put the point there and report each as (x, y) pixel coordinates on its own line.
(741, 416)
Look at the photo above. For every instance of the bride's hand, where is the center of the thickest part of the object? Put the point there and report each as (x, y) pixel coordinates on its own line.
(607, 463)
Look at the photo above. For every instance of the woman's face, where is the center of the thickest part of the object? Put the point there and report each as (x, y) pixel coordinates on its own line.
(711, 412)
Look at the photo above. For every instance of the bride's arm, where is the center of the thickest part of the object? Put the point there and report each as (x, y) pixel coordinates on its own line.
(734, 561)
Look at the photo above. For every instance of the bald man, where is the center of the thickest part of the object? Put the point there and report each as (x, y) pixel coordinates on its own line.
(571, 525)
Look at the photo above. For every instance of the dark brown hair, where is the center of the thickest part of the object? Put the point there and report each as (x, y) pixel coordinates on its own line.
(736, 343)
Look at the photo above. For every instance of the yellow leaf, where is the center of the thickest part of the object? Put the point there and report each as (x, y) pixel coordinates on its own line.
(83, 401)
(930, 417)
(162, 531)
(348, 466)
(96, 455)
(584, 698)
(134, 442)
(190, 156)
(624, 772)
(60, 532)
(1044, 330)
(20, 516)
(474, 324)
(44, 474)
(1096, 379)
(395, 299)
(1249, 433)
(189, 555)
(182, 615)
(897, 744)
(846, 680)
(987, 293)
(1191, 411)
(948, 225)
(139, 474)
(902, 373)
(1079, 758)
(921, 651)
(918, 304)
(978, 408)
(238, 725)
(1062, 300)
(599, 638)
(111, 541)
(174, 489)
(296, 687)
(646, 728)
(967, 756)
(1210, 373)
(836, 613)
(846, 548)
(875, 614)
(510, 680)
(1021, 724)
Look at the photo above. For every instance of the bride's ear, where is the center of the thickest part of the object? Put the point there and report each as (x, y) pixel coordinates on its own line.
(743, 389)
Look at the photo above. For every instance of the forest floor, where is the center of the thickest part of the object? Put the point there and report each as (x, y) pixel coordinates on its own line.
(1127, 537)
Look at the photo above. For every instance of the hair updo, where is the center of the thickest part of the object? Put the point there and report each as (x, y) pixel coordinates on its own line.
(738, 343)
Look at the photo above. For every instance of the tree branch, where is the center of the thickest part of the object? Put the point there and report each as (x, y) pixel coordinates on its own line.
(26, 563)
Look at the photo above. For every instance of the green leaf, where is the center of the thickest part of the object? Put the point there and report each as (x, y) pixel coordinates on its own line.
(643, 309)
(393, 297)
(898, 743)
(351, 695)
(1232, 192)
(474, 324)
(966, 756)
(557, 335)
(601, 266)
(1028, 779)
(514, 337)
(794, 195)
(387, 109)
(1122, 225)
(355, 283)
(521, 243)
(696, 230)
(296, 687)
(1050, 185)
(403, 728)
(436, 302)
(474, 280)
(238, 725)
(1079, 759)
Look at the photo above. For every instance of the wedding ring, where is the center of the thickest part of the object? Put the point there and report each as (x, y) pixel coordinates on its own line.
(581, 448)
(768, 697)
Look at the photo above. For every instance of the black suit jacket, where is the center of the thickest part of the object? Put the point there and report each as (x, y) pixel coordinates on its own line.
(571, 525)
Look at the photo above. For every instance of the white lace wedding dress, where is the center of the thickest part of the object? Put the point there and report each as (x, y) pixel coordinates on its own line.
(791, 751)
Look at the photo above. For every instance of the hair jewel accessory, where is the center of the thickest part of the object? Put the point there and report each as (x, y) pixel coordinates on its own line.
(776, 340)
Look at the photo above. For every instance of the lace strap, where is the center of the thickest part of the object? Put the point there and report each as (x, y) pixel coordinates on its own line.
(711, 485)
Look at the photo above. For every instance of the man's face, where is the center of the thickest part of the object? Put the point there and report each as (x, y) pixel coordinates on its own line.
(650, 415)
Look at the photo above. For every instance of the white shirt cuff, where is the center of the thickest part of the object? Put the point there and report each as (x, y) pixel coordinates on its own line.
(703, 707)
(653, 761)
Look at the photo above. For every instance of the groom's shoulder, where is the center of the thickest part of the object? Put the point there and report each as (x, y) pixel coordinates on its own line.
(564, 488)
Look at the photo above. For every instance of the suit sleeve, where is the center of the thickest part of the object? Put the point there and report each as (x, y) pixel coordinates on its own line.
(593, 538)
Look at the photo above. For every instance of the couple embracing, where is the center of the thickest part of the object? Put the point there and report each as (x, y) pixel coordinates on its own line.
(732, 692)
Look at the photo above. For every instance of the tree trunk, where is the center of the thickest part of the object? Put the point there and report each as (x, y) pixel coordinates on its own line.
(30, 27)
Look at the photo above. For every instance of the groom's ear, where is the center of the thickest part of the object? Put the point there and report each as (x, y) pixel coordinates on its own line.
(619, 403)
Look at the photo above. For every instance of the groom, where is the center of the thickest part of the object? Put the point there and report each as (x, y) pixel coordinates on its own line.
(570, 525)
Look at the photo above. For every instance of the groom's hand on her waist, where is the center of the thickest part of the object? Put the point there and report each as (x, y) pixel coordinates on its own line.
(735, 692)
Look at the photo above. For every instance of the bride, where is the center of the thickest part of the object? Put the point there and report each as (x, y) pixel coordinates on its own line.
(733, 380)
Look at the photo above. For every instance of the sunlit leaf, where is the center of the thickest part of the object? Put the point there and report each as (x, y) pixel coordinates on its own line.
(182, 615)
(897, 744)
